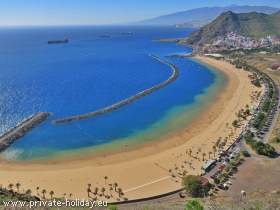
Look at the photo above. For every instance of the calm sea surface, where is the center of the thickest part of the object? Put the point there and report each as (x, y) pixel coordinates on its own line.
(99, 67)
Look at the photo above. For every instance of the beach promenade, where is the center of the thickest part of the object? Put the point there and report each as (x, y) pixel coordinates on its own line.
(118, 105)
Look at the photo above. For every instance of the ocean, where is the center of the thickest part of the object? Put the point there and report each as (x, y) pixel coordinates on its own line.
(100, 66)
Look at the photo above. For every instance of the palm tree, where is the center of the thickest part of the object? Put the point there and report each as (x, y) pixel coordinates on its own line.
(111, 189)
(17, 186)
(95, 191)
(88, 191)
(11, 186)
(120, 192)
(37, 189)
(51, 194)
(115, 186)
(203, 156)
(105, 179)
(190, 152)
(70, 195)
(214, 150)
(43, 193)
(28, 192)
(103, 191)
(210, 153)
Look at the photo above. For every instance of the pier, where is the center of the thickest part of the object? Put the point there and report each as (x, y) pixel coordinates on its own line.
(172, 78)
(11, 135)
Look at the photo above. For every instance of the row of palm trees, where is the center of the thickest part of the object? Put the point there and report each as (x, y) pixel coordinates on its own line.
(218, 145)
(17, 185)
(39, 193)
(103, 192)
(44, 192)
(190, 153)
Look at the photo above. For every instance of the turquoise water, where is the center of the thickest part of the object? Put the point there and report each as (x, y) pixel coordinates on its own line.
(91, 72)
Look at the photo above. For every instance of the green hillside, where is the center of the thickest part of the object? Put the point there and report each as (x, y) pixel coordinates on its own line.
(255, 25)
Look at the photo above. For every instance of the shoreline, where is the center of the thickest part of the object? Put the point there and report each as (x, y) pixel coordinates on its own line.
(192, 112)
(164, 155)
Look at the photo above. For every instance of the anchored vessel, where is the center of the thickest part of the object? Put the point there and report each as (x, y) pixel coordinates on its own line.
(64, 41)
(10, 136)
(173, 77)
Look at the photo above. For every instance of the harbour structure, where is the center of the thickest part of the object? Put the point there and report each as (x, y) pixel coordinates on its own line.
(129, 100)
(13, 134)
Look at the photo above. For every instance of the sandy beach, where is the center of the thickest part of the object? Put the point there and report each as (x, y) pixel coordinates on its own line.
(152, 169)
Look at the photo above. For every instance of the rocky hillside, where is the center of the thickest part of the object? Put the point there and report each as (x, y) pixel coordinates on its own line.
(253, 24)
(201, 16)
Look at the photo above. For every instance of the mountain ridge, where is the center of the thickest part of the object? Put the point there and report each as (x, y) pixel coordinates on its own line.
(201, 16)
(253, 24)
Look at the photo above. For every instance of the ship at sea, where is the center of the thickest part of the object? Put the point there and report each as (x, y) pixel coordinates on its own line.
(64, 41)
(92, 73)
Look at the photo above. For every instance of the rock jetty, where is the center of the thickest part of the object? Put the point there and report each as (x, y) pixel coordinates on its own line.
(172, 78)
(13, 134)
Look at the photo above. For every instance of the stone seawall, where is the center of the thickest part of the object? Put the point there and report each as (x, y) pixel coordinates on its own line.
(172, 78)
(11, 135)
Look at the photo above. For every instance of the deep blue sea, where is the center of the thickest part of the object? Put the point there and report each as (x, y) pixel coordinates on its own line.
(90, 72)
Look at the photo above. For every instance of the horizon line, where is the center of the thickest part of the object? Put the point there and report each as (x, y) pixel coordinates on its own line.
(136, 22)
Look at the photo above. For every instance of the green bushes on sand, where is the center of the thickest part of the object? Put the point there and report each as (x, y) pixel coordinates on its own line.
(260, 120)
(194, 205)
(276, 140)
(195, 186)
(245, 153)
(112, 207)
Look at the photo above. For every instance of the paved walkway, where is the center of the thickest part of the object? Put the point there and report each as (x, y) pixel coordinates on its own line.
(147, 184)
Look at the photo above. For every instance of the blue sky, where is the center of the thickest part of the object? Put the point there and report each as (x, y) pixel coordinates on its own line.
(75, 12)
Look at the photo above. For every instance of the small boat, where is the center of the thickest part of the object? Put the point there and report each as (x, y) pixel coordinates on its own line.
(64, 41)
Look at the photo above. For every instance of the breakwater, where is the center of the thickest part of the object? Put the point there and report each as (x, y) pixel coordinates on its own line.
(11, 135)
(173, 77)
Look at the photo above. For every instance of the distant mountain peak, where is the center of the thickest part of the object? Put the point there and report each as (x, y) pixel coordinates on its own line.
(201, 16)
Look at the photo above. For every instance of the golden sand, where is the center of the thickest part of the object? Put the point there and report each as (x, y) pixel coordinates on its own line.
(146, 171)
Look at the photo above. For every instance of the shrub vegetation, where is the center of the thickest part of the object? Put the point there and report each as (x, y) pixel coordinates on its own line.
(195, 187)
